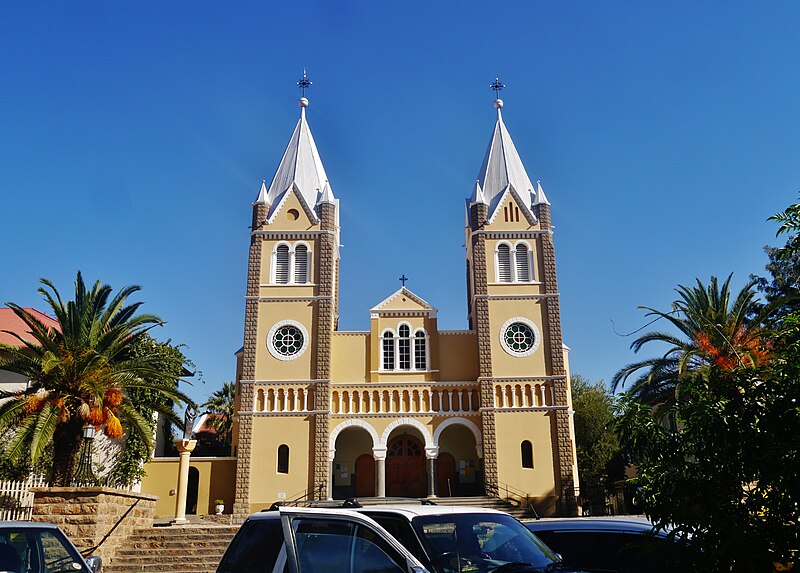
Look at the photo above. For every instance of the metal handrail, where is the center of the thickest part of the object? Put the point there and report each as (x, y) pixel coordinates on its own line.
(518, 495)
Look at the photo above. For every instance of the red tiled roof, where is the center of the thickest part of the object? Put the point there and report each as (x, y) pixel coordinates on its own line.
(10, 321)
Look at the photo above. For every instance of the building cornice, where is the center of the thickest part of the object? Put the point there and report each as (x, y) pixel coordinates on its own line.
(514, 296)
(277, 235)
(288, 298)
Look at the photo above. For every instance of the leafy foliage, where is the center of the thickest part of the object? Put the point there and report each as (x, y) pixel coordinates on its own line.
(782, 288)
(727, 472)
(82, 372)
(595, 438)
(714, 330)
(220, 408)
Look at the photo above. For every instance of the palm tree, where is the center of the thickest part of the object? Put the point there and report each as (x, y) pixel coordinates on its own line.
(79, 373)
(714, 331)
(220, 407)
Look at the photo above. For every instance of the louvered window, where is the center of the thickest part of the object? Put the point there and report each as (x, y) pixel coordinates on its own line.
(404, 347)
(282, 265)
(504, 264)
(301, 264)
(388, 351)
(523, 265)
(420, 361)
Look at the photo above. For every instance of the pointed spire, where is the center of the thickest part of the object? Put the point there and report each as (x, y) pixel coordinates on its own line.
(262, 194)
(541, 198)
(327, 195)
(477, 196)
(301, 164)
(502, 165)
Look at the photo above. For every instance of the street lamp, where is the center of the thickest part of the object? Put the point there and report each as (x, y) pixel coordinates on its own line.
(84, 476)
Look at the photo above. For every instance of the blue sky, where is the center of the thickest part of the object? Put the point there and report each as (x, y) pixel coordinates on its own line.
(133, 138)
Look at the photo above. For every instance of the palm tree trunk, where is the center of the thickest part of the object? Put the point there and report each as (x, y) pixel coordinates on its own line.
(67, 440)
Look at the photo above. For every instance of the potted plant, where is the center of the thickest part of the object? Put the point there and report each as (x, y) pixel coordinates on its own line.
(219, 506)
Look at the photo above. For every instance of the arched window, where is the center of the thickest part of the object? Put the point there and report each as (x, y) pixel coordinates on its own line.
(527, 454)
(282, 265)
(404, 347)
(301, 264)
(283, 459)
(387, 342)
(503, 263)
(522, 263)
(420, 351)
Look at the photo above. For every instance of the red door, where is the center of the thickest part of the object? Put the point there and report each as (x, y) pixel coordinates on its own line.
(405, 468)
(365, 476)
(446, 468)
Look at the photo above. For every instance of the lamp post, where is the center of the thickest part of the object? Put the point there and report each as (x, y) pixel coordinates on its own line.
(84, 476)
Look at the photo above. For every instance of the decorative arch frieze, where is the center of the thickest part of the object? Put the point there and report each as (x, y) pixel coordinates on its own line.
(356, 423)
(426, 435)
(463, 422)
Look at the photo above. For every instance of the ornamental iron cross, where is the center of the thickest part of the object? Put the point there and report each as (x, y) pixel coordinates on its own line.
(304, 83)
(497, 86)
(403, 279)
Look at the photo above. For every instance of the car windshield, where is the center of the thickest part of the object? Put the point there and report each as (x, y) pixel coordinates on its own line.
(481, 543)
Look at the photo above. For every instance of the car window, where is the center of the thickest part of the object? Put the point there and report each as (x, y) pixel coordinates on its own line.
(255, 548)
(38, 551)
(462, 543)
(400, 529)
(623, 552)
(339, 546)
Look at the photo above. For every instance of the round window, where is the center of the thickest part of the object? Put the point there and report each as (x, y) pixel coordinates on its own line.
(519, 337)
(287, 340)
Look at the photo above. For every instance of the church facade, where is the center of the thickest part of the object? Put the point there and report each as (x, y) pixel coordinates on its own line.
(402, 409)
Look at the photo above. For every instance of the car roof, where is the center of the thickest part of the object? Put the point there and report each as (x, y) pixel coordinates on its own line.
(630, 524)
(409, 511)
(28, 525)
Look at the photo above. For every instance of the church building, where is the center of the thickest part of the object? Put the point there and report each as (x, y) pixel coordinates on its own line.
(403, 408)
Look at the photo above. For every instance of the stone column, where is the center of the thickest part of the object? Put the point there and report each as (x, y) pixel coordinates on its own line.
(185, 448)
(431, 454)
(380, 471)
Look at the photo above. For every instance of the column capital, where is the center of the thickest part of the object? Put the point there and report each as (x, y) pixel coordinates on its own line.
(379, 452)
(185, 446)
(432, 453)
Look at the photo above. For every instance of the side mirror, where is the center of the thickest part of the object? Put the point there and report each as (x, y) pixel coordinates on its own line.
(415, 569)
(95, 563)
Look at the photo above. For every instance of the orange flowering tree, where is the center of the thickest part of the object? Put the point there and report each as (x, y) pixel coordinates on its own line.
(82, 372)
(713, 328)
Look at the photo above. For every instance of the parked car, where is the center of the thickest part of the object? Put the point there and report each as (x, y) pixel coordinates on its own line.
(28, 547)
(614, 544)
(315, 540)
(448, 539)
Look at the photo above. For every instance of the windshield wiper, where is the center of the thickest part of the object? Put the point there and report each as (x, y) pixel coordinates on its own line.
(510, 566)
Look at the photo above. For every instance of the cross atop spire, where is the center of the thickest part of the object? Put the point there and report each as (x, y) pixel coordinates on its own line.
(304, 84)
(403, 279)
(497, 86)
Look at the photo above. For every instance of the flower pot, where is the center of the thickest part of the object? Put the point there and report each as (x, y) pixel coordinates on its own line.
(219, 508)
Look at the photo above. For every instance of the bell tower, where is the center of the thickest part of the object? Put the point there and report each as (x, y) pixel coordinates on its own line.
(290, 315)
(513, 305)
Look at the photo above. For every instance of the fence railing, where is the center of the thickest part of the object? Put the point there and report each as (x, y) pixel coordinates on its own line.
(16, 499)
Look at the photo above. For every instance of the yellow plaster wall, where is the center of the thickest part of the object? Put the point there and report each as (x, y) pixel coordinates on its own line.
(217, 478)
(286, 223)
(266, 483)
(513, 428)
(503, 364)
(349, 354)
(267, 366)
(458, 356)
(499, 223)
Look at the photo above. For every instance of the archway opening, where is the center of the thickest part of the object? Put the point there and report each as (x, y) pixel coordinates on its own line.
(351, 477)
(405, 464)
(464, 477)
(192, 488)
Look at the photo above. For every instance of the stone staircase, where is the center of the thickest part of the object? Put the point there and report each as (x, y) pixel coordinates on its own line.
(198, 547)
(184, 549)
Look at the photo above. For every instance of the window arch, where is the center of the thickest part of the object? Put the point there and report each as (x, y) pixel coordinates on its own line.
(301, 266)
(404, 347)
(503, 263)
(387, 350)
(291, 264)
(527, 454)
(281, 275)
(283, 459)
(522, 263)
(420, 350)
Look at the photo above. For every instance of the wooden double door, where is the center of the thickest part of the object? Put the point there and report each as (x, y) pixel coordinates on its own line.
(405, 467)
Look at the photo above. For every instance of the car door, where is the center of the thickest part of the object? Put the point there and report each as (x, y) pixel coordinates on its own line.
(319, 541)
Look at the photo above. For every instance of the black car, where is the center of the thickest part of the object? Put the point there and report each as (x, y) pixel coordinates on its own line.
(614, 544)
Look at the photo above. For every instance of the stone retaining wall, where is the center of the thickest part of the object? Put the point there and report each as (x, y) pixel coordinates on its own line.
(99, 519)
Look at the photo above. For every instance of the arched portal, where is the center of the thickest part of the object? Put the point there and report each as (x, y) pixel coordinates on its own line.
(405, 466)
(192, 488)
(351, 445)
(445, 475)
(458, 441)
(365, 476)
